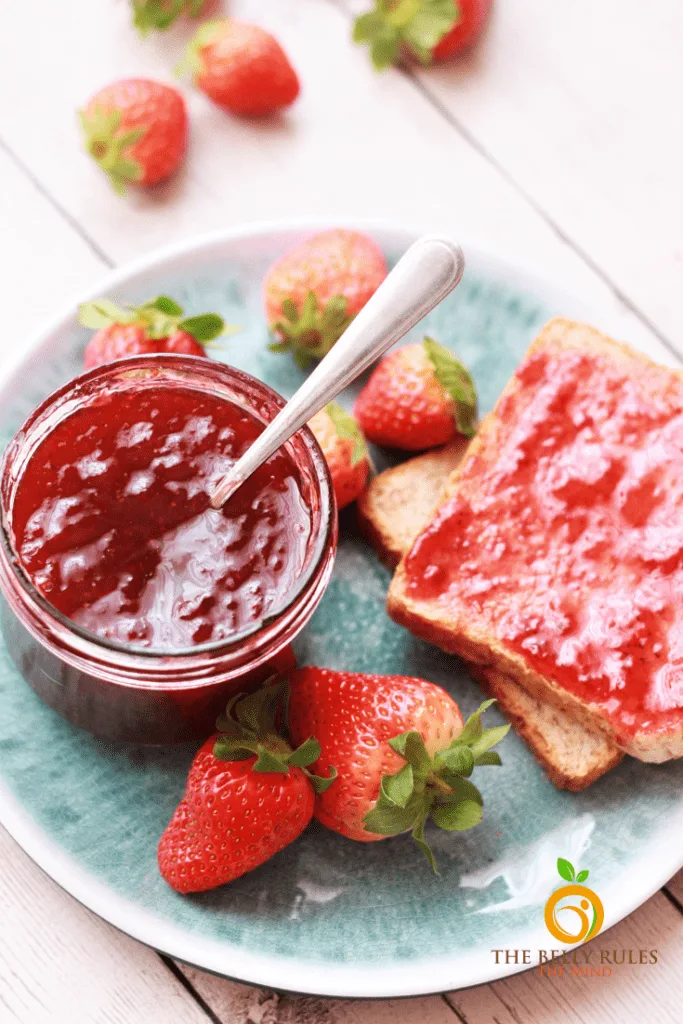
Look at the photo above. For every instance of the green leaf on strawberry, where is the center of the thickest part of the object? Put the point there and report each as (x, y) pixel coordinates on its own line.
(416, 26)
(347, 426)
(252, 725)
(158, 15)
(191, 64)
(311, 333)
(109, 147)
(457, 817)
(161, 316)
(457, 381)
(203, 328)
(435, 787)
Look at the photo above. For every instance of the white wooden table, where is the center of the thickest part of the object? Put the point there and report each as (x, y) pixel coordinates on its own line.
(558, 141)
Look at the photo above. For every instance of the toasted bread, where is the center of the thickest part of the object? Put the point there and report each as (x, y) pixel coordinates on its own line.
(587, 432)
(392, 510)
(573, 755)
(397, 503)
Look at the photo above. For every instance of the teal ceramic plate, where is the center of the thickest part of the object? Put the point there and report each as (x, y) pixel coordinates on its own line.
(328, 916)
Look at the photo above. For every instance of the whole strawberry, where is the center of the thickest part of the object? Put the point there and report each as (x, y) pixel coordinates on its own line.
(428, 30)
(136, 130)
(343, 445)
(248, 795)
(400, 749)
(158, 325)
(312, 293)
(158, 15)
(418, 397)
(241, 67)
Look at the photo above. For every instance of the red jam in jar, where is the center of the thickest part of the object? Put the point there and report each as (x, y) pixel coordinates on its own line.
(564, 540)
(130, 606)
(111, 520)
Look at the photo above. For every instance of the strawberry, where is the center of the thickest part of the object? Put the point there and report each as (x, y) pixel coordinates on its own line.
(312, 293)
(343, 445)
(400, 750)
(428, 30)
(248, 795)
(241, 67)
(136, 130)
(158, 325)
(158, 15)
(418, 397)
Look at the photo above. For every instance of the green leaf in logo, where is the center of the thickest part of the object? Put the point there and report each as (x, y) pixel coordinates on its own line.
(582, 876)
(566, 869)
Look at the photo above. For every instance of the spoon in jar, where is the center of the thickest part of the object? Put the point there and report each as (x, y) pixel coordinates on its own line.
(429, 270)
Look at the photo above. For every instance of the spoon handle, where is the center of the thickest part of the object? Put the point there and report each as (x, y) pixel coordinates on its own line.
(428, 271)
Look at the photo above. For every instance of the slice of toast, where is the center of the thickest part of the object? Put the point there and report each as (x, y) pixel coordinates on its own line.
(573, 755)
(393, 509)
(556, 557)
(397, 503)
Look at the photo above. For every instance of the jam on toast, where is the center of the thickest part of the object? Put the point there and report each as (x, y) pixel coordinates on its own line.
(556, 559)
(392, 510)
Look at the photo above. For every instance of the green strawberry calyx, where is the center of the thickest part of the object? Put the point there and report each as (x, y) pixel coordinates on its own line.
(457, 381)
(347, 426)
(158, 15)
(161, 318)
(250, 728)
(110, 147)
(435, 787)
(311, 333)
(393, 26)
(206, 34)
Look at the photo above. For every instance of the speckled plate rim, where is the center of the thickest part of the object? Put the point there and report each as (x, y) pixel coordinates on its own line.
(662, 855)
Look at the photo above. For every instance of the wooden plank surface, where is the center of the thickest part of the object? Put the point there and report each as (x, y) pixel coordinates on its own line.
(356, 144)
(581, 114)
(58, 962)
(523, 145)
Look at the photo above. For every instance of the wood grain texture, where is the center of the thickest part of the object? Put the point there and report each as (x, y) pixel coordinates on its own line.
(675, 887)
(43, 260)
(633, 993)
(356, 144)
(240, 1004)
(59, 963)
(577, 111)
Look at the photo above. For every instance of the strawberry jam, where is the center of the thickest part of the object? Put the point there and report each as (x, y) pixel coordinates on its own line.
(111, 521)
(564, 540)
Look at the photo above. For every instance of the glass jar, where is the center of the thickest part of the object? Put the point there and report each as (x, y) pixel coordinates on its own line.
(131, 693)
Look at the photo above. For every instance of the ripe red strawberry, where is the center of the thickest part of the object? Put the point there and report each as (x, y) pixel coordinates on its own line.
(158, 325)
(241, 67)
(158, 15)
(418, 397)
(248, 795)
(312, 293)
(428, 30)
(136, 130)
(400, 749)
(343, 445)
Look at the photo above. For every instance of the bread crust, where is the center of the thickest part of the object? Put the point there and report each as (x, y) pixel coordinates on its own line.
(573, 755)
(398, 502)
(482, 650)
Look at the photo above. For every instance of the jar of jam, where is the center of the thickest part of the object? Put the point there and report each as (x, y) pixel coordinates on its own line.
(131, 607)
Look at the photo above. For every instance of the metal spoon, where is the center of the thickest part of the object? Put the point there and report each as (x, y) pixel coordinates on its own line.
(429, 270)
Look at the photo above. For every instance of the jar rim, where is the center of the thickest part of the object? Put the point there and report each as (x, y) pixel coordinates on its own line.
(197, 366)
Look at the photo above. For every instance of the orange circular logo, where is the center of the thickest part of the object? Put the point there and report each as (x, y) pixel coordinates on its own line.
(581, 919)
